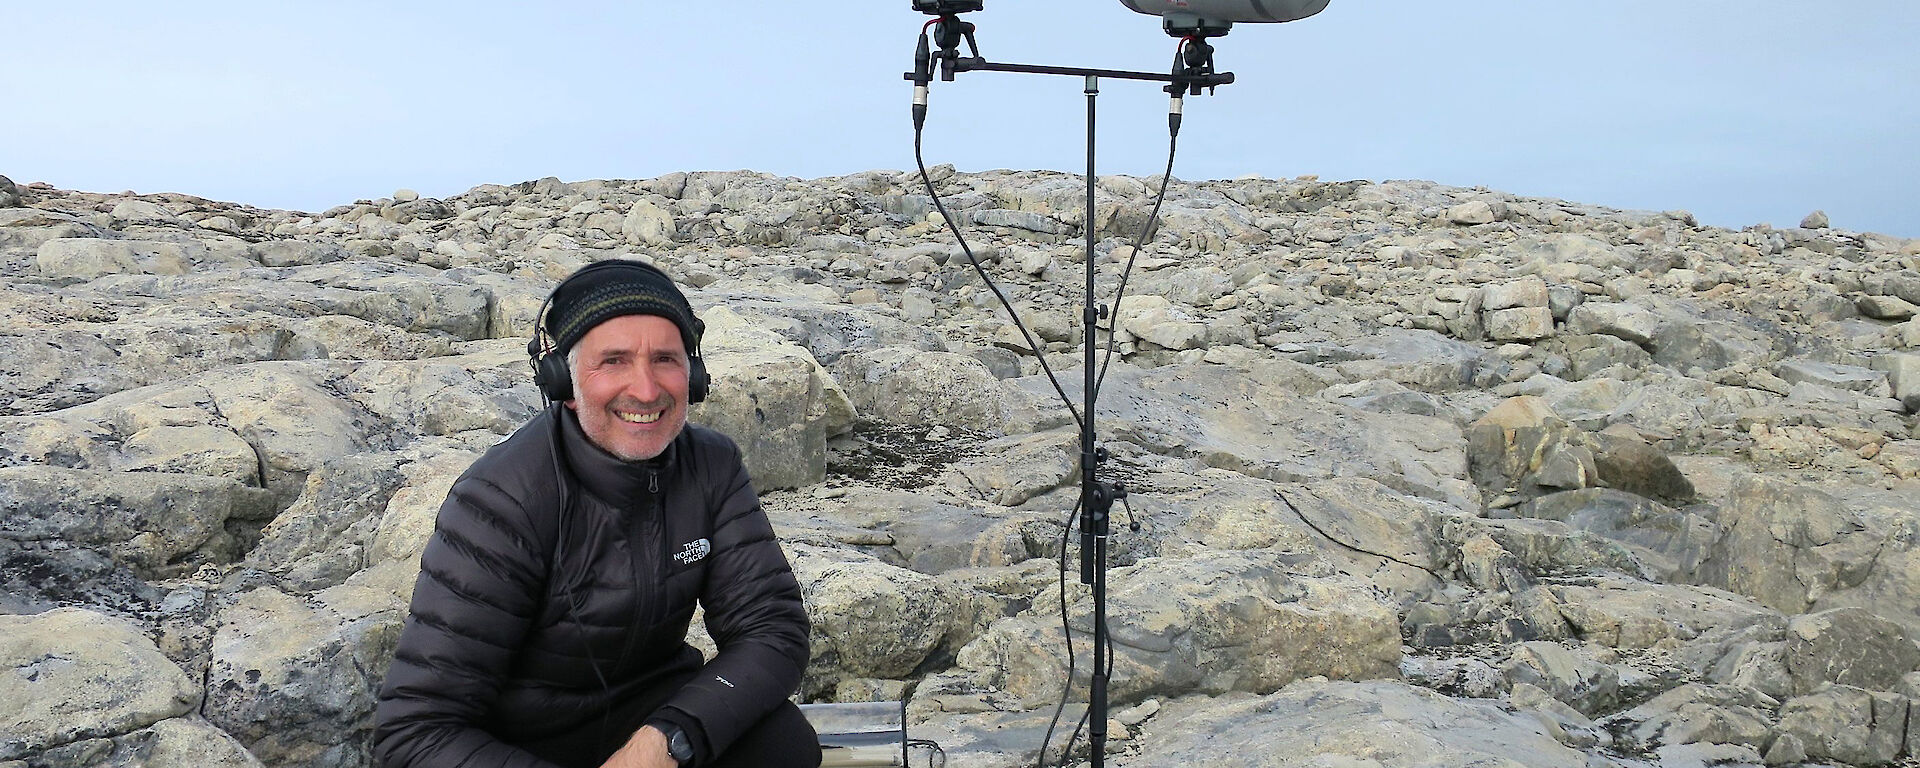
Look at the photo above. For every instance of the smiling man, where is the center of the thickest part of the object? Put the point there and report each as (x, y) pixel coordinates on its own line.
(549, 621)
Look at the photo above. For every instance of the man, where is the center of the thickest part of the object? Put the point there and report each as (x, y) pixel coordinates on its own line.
(549, 621)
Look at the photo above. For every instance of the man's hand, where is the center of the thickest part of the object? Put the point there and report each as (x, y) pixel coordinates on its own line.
(647, 749)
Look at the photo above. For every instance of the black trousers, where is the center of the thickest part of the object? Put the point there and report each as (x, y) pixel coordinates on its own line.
(782, 739)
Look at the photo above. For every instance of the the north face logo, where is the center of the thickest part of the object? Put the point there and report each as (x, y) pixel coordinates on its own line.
(693, 551)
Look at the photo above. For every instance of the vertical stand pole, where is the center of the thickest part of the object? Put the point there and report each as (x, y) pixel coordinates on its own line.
(1094, 504)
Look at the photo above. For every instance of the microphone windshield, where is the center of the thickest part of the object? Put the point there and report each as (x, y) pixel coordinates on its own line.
(1255, 11)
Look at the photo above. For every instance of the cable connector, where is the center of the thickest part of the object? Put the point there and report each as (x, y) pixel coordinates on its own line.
(1174, 111)
(922, 75)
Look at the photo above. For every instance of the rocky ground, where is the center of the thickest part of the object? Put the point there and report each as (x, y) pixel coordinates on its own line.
(1424, 476)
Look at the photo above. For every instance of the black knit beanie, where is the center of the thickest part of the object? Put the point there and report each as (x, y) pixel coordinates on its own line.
(604, 290)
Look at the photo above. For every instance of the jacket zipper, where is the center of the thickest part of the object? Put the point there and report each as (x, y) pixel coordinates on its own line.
(645, 552)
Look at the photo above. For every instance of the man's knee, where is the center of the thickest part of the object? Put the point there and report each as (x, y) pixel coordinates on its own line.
(782, 739)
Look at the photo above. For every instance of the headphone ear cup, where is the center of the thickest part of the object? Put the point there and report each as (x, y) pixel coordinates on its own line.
(697, 380)
(550, 374)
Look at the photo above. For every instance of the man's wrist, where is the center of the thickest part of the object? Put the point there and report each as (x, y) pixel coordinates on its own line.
(679, 747)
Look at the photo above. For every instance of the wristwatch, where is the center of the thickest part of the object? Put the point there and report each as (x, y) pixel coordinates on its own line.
(679, 747)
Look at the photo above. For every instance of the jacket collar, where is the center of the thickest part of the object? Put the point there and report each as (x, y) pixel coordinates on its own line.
(623, 483)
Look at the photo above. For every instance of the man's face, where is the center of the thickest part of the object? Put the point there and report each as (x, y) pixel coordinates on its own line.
(630, 385)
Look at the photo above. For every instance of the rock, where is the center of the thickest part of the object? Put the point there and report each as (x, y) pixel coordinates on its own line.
(1035, 261)
(321, 539)
(341, 337)
(1695, 713)
(1787, 749)
(915, 307)
(647, 225)
(137, 211)
(1022, 220)
(1155, 319)
(193, 450)
(989, 738)
(418, 209)
(1495, 560)
(1422, 360)
(1571, 677)
(1885, 307)
(9, 193)
(1906, 335)
(1901, 457)
(1592, 356)
(1786, 545)
(1562, 299)
(1913, 728)
(405, 195)
(293, 422)
(1614, 319)
(1566, 248)
(1520, 449)
(1906, 285)
(933, 535)
(77, 674)
(1381, 396)
(1565, 724)
(1665, 544)
(297, 253)
(1250, 421)
(1847, 724)
(1903, 374)
(1711, 345)
(905, 386)
(86, 258)
(1370, 531)
(179, 741)
(1193, 287)
(1627, 462)
(1618, 612)
(158, 524)
(1758, 664)
(1467, 677)
(1217, 510)
(294, 677)
(1848, 646)
(1349, 725)
(831, 330)
(1851, 378)
(1527, 292)
(1519, 324)
(1214, 623)
(1815, 220)
(773, 399)
(1014, 469)
(871, 619)
(1470, 213)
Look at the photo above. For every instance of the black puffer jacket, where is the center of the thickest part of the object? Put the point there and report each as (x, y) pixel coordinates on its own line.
(528, 622)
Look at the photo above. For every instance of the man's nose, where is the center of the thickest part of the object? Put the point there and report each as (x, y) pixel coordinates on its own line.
(644, 385)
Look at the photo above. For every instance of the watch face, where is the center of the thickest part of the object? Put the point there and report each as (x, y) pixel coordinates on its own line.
(678, 747)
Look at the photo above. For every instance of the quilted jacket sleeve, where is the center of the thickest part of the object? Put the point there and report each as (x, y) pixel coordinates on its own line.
(481, 576)
(755, 615)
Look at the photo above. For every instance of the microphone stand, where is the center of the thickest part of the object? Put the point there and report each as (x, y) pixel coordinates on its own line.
(1096, 496)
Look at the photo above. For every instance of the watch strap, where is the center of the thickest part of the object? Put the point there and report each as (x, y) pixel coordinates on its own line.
(679, 747)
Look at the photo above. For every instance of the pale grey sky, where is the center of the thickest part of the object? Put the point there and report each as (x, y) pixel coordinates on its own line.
(1742, 112)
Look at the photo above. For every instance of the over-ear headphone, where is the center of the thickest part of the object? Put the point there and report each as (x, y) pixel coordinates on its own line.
(550, 372)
